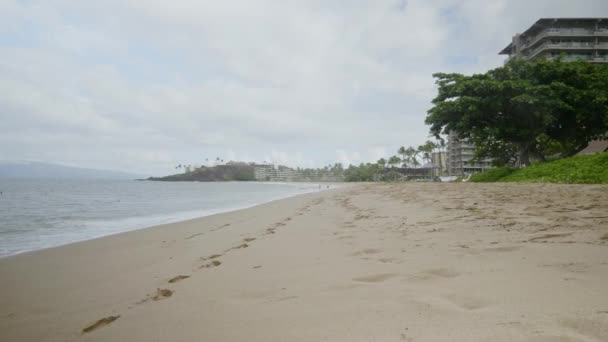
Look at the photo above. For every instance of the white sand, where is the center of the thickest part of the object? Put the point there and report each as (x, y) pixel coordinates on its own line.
(404, 262)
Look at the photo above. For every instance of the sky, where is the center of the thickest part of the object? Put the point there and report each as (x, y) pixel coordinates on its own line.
(142, 86)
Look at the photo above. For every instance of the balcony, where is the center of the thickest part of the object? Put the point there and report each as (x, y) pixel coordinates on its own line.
(602, 32)
(576, 57)
(602, 45)
(563, 46)
(564, 32)
(600, 59)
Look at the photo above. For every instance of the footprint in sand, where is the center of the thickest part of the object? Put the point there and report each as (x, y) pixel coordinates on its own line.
(193, 236)
(213, 263)
(434, 274)
(243, 245)
(100, 323)
(375, 278)
(248, 239)
(503, 249)
(467, 302)
(367, 251)
(542, 238)
(389, 261)
(220, 227)
(178, 278)
(160, 294)
(211, 257)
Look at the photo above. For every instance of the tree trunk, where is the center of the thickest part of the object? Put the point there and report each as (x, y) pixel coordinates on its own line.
(528, 151)
(524, 155)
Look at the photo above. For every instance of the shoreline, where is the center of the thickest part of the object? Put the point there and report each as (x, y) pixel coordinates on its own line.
(386, 262)
(135, 223)
(192, 215)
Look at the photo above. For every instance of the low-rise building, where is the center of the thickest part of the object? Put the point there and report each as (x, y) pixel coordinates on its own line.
(270, 172)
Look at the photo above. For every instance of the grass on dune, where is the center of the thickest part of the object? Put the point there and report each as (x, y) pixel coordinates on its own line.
(591, 169)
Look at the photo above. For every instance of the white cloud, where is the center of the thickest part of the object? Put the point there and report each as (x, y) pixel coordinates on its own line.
(145, 85)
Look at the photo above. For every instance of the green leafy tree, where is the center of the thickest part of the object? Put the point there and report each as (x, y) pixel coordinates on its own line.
(361, 173)
(527, 109)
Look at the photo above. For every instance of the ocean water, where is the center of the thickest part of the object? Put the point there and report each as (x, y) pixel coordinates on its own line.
(36, 214)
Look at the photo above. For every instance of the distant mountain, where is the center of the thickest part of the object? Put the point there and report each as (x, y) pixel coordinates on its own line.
(28, 169)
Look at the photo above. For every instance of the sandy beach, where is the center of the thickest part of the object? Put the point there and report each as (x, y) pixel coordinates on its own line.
(370, 262)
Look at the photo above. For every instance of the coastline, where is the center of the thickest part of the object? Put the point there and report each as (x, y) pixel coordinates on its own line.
(358, 263)
(127, 224)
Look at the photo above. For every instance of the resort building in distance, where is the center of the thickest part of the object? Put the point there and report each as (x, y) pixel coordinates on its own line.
(439, 160)
(278, 173)
(571, 38)
(460, 157)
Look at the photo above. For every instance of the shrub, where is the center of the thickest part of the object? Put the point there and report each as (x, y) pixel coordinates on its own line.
(591, 169)
(492, 175)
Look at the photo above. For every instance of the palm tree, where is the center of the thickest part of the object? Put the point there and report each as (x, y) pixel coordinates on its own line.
(412, 156)
(394, 160)
(427, 150)
(404, 158)
(442, 145)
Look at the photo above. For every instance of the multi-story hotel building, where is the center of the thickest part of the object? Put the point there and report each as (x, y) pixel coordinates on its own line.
(573, 38)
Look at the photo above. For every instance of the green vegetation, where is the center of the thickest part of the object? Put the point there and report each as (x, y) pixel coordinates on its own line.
(335, 171)
(394, 167)
(492, 175)
(219, 173)
(591, 169)
(362, 173)
(524, 111)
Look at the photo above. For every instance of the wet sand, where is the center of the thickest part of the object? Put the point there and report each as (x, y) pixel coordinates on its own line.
(372, 262)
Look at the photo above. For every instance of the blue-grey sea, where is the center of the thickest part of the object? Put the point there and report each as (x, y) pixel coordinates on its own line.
(36, 214)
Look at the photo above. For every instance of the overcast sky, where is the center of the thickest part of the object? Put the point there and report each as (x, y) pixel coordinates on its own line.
(142, 86)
